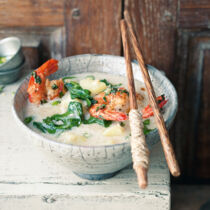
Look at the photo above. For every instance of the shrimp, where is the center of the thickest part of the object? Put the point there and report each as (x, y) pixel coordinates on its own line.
(41, 89)
(113, 106)
(148, 112)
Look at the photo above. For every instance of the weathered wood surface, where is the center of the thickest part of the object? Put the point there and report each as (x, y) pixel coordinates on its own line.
(203, 145)
(31, 180)
(194, 14)
(190, 137)
(155, 25)
(93, 27)
(23, 13)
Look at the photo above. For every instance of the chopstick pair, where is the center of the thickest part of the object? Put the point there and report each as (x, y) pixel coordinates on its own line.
(140, 152)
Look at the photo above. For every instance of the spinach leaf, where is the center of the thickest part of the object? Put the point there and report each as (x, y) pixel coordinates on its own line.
(65, 78)
(77, 91)
(54, 103)
(27, 120)
(58, 122)
(146, 129)
(91, 120)
(109, 84)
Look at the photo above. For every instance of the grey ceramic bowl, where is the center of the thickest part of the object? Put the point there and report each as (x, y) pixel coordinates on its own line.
(11, 47)
(11, 75)
(96, 162)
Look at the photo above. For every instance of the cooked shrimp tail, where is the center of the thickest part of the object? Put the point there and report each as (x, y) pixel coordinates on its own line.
(106, 114)
(148, 112)
(41, 89)
(48, 68)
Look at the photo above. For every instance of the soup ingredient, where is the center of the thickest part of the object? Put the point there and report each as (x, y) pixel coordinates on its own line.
(27, 120)
(54, 103)
(73, 117)
(115, 130)
(67, 79)
(105, 113)
(94, 86)
(1, 88)
(117, 100)
(41, 89)
(148, 112)
(73, 138)
(2, 59)
(111, 106)
(76, 91)
(104, 123)
(146, 129)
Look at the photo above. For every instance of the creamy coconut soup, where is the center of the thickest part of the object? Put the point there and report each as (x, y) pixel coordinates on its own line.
(67, 118)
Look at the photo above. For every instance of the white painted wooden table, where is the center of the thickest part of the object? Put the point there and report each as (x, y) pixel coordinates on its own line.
(30, 181)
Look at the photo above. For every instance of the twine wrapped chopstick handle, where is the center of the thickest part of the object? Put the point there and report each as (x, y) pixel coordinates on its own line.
(139, 150)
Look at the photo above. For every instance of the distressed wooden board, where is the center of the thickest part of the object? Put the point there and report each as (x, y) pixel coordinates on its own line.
(190, 138)
(93, 27)
(30, 179)
(155, 25)
(15, 13)
(194, 14)
(203, 145)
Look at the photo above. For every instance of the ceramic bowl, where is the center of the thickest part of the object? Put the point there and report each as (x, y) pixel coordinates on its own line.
(9, 76)
(10, 47)
(96, 162)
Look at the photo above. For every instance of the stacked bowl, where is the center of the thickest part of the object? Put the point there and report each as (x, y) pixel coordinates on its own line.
(11, 60)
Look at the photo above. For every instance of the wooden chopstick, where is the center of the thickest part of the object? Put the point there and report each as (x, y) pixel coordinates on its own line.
(166, 144)
(140, 168)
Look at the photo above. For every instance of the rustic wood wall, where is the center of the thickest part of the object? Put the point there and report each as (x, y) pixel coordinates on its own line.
(175, 37)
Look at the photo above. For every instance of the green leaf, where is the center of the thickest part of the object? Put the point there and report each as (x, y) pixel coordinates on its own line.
(91, 120)
(109, 84)
(39, 126)
(76, 91)
(61, 94)
(27, 120)
(76, 109)
(122, 124)
(36, 77)
(54, 103)
(146, 122)
(54, 87)
(65, 78)
(146, 129)
(43, 101)
(59, 122)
